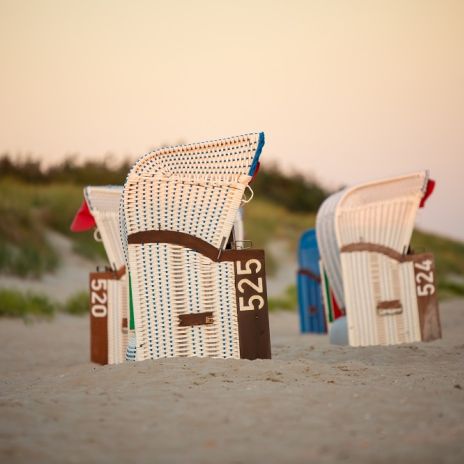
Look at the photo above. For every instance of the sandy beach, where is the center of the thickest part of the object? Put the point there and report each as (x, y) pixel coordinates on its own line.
(311, 403)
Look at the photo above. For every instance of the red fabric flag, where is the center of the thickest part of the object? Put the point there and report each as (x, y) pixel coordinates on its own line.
(428, 191)
(83, 220)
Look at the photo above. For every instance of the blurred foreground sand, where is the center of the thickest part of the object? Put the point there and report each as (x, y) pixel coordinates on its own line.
(312, 403)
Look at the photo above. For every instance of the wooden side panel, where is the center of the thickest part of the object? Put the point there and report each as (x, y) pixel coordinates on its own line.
(427, 301)
(98, 283)
(252, 307)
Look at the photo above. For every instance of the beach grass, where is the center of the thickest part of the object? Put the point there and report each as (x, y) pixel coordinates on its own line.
(288, 301)
(27, 211)
(77, 305)
(266, 221)
(30, 305)
(25, 305)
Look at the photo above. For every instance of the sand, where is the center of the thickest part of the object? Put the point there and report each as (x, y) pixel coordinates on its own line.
(312, 403)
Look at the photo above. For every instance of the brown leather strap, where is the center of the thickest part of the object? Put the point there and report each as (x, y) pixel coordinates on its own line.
(372, 247)
(389, 304)
(187, 320)
(185, 240)
(175, 238)
(310, 274)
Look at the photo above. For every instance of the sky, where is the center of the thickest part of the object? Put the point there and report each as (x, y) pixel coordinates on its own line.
(345, 90)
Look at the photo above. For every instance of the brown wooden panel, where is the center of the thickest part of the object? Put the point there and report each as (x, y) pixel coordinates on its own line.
(98, 283)
(252, 308)
(427, 300)
(189, 319)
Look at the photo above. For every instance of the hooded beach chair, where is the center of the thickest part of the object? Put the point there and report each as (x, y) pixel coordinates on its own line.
(312, 317)
(389, 293)
(109, 294)
(190, 294)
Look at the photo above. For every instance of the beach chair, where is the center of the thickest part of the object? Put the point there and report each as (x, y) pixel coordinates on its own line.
(109, 293)
(390, 293)
(191, 295)
(312, 316)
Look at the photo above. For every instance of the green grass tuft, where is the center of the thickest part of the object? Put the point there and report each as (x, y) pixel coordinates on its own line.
(288, 301)
(14, 303)
(266, 221)
(449, 261)
(77, 305)
(27, 211)
(17, 304)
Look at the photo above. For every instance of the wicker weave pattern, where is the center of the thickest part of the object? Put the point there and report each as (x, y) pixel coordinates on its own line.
(220, 159)
(225, 156)
(194, 189)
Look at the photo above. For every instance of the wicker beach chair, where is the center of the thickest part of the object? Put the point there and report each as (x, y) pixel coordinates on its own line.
(109, 294)
(390, 294)
(191, 296)
(311, 309)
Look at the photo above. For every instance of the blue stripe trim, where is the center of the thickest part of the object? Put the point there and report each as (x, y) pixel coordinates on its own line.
(259, 149)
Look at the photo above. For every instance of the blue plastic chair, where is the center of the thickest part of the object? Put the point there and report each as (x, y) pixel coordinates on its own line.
(312, 316)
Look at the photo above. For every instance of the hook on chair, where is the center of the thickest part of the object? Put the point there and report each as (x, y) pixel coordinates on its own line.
(97, 236)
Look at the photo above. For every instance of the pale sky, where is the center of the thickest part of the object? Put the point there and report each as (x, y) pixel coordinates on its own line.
(348, 91)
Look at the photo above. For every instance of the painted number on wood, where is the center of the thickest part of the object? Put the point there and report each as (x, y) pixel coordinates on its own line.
(250, 287)
(425, 278)
(98, 297)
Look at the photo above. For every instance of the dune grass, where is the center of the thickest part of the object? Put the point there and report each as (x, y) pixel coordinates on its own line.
(25, 305)
(266, 221)
(24, 249)
(288, 301)
(29, 305)
(27, 211)
(77, 305)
